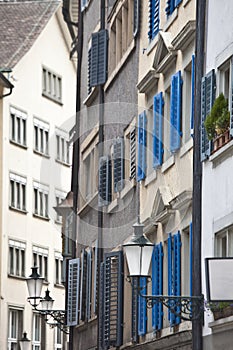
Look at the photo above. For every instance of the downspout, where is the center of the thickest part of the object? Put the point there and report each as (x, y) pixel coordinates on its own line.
(197, 342)
(6, 84)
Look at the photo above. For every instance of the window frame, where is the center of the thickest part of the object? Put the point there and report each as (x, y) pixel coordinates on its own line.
(41, 137)
(17, 192)
(20, 247)
(40, 200)
(18, 325)
(40, 258)
(51, 85)
(59, 269)
(18, 137)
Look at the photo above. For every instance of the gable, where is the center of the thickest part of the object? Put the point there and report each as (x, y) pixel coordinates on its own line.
(162, 201)
(165, 51)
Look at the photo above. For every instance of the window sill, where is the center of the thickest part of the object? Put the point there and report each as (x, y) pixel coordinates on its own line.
(222, 324)
(90, 98)
(58, 222)
(186, 147)
(221, 154)
(112, 206)
(41, 154)
(37, 216)
(91, 203)
(129, 185)
(63, 163)
(59, 285)
(52, 98)
(150, 178)
(168, 164)
(15, 143)
(186, 2)
(21, 278)
(120, 64)
(18, 210)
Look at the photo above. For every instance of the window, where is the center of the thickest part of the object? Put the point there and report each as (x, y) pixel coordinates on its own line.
(15, 328)
(17, 192)
(59, 275)
(86, 285)
(153, 18)
(40, 259)
(51, 85)
(166, 125)
(62, 146)
(224, 80)
(187, 102)
(41, 136)
(18, 124)
(60, 196)
(171, 5)
(123, 28)
(41, 193)
(175, 112)
(17, 258)
(157, 130)
(130, 152)
(157, 286)
(118, 164)
(224, 243)
(105, 181)
(72, 306)
(84, 4)
(67, 235)
(58, 339)
(142, 135)
(37, 333)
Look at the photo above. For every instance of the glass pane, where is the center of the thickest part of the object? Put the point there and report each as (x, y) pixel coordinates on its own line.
(35, 201)
(41, 140)
(46, 142)
(11, 252)
(12, 193)
(46, 205)
(23, 197)
(36, 138)
(46, 268)
(58, 146)
(17, 261)
(41, 203)
(18, 130)
(12, 127)
(18, 195)
(24, 131)
(22, 263)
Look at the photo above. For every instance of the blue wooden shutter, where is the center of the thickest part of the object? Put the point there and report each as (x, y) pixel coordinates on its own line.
(136, 17)
(113, 299)
(95, 301)
(231, 101)
(207, 100)
(133, 153)
(191, 257)
(118, 161)
(89, 284)
(170, 7)
(101, 308)
(171, 316)
(158, 130)
(177, 271)
(157, 286)
(141, 146)
(105, 181)
(83, 288)
(153, 18)
(192, 95)
(175, 112)
(134, 310)
(177, 2)
(98, 73)
(73, 292)
(142, 310)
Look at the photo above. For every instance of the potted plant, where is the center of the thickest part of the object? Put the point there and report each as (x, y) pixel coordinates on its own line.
(221, 309)
(218, 121)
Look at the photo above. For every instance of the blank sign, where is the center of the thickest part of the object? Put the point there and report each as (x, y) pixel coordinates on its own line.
(219, 279)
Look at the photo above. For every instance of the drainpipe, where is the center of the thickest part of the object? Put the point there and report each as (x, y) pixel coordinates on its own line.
(197, 342)
(6, 84)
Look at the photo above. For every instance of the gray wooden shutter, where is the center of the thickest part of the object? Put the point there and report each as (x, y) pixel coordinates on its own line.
(133, 153)
(113, 299)
(83, 288)
(101, 308)
(95, 279)
(89, 284)
(98, 73)
(207, 100)
(134, 311)
(136, 17)
(73, 292)
(105, 181)
(118, 161)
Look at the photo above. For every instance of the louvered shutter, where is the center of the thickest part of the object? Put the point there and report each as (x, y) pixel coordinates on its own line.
(105, 182)
(89, 72)
(142, 310)
(133, 153)
(136, 17)
(175, 112)
(67, 236)
(101, 308)
(191, 257)
(177, 271)
(96, 279)
(89, 284)
(158, 130)
(141, 146)
(83, 287)
(134, 311)
(99, 52)
(177, 2)
(170, 7)
(153, 18)
(171, 316)
(231, 101)
(118, 161)
(157, 286)
(113, 299)
(192, 95)
(207, 100)
(73, 292)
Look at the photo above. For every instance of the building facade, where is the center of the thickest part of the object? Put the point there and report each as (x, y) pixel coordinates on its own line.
(35, 164)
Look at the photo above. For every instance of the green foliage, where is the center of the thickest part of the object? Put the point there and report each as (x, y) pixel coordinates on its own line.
(219, 306)
(218, 121)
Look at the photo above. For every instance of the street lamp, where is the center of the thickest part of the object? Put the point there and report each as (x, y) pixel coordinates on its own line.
(138, 253)
(45, 309)
(24, 342)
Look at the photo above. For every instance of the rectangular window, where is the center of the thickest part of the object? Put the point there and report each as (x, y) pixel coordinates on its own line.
(18, 192)
(41, 136)
(41, 193)
(58, 343)
(157, 130)
(51, 85)
(166, 125)
(15, 328)
(36, 332)
(187, 105)
(16, 258)
(58, 268)
(62, 147)
(40, 259)
(224, 243)
(18, 124)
